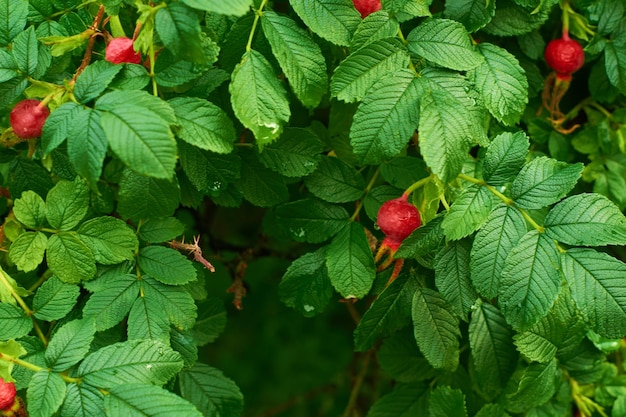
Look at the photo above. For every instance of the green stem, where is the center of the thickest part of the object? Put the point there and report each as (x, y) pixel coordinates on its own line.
(418, 184)
(33, 367)
(367, 190)
(257, 16)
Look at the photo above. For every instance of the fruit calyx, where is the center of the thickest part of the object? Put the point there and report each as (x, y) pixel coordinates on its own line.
(28, 117)
(565, 56)
(7, 394)
(397, 219)
(367, 7)
(121, 51)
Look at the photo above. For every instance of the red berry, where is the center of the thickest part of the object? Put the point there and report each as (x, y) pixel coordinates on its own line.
(121, 51)
(7, 394)
(365, 7)
(565, 56)
(397, 219)
(28, 117)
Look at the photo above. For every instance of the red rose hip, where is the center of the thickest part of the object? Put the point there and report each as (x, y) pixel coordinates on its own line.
(28, 117)
(366, 7)
(565, 56)
(397, 219)
(121, 51)
(7, 394)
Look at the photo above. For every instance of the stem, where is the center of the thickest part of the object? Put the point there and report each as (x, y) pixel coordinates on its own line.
(354, 394)
(33, 367)
(257, 16)
(367, 190)
(418, 184)
(405, 42)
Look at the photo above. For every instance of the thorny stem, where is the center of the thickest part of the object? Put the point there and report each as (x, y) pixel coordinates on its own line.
(257, 16)
(369, 187)
(95, 32)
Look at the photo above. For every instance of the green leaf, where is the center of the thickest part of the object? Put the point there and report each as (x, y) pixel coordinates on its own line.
(135, 400)
(400, 358)
(536, 387)
(474, 14)
(13, 18)
(468, 213)
(452, 276)
(231, 8)
(142, 197)
(511, 19)
(67, 203)
(502, 83)
(111, 303)
(594, 276)
(26, 174)
(445, 43)
(137, 129)
(333, 20)
(503, 229)
(8, 66)
(82, 400)
(299, 57)
(544, 181)
(179, 29)
(445, 401)
(364, 67)
(258, 98)
(386, 118)
(335, 181)
(209, 390)
(505, 157)
(58, 124)
(209, 172)
(166, 265)
(350, 262)
(615, 64)
(158, 230)
(530, 280)
(111, 240)
(25, 50)
(54, 299)
(87, 144)
(45, 394)
(27, 251)
(493, 353)
(176, 302)
(436, 329)
(70, 258)
(403, 171)
(311, 220)
(406, 400)
(203, 124)
(259, 185)
(30, 210)
(94, 79)
(296, 153)
(305, 285)
(390, 312)
(404, 10)
(13, 322)
(423, 240)
(147, 320)
(70, 344)
(131, 362)
(211, 323)
(586, 220)
(372, 28)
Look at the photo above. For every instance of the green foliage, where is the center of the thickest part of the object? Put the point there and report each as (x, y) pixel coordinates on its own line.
(245, 159)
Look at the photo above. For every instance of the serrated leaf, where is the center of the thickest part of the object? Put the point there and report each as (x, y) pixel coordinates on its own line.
(57, 125)
(135, 400)
(423, 240)
(372, 28)
(70, 258)
(404, 10)
(361, 69)
(143, 197)
(26, 51)
(87, 144)
(544, 181)
(54, 299)
(536, 387)
(505, 157)
(468, 213)
(26, 174)
(333, 20)
(112, 302)
(445, 43)
(158, 230)
(615, 64)
(350, 262)
(111, 240)
(386, 118)
(296, 153)
(474, 14)
(503, 229)
(147, 320)
(299, 57)
(436, 329)
(335, 181)
(445, 401)
(406, 400)
(67, 203)
(400, 358)
(45, 394)
(311, 220)
(209, 172)
(259, 185)
(452, 276)
(13, 18)
(70, 344)
(27, 250)
(530, 280)
(209, 390)
(596, 282)
(305, 285)
(403, 171)
(82, 400)
(203, 124)
(176, 302)
(13, 322)
(166, 265)
(492, 410)
(30, 210)
(502, 83)
(137, 129)
(230, 8)
(178, 27)
(511, 19)
(586, 220)
(211, 323)
(135, 361)
(493, 353)
(389, 312)
(94, 79)
(258, 98)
